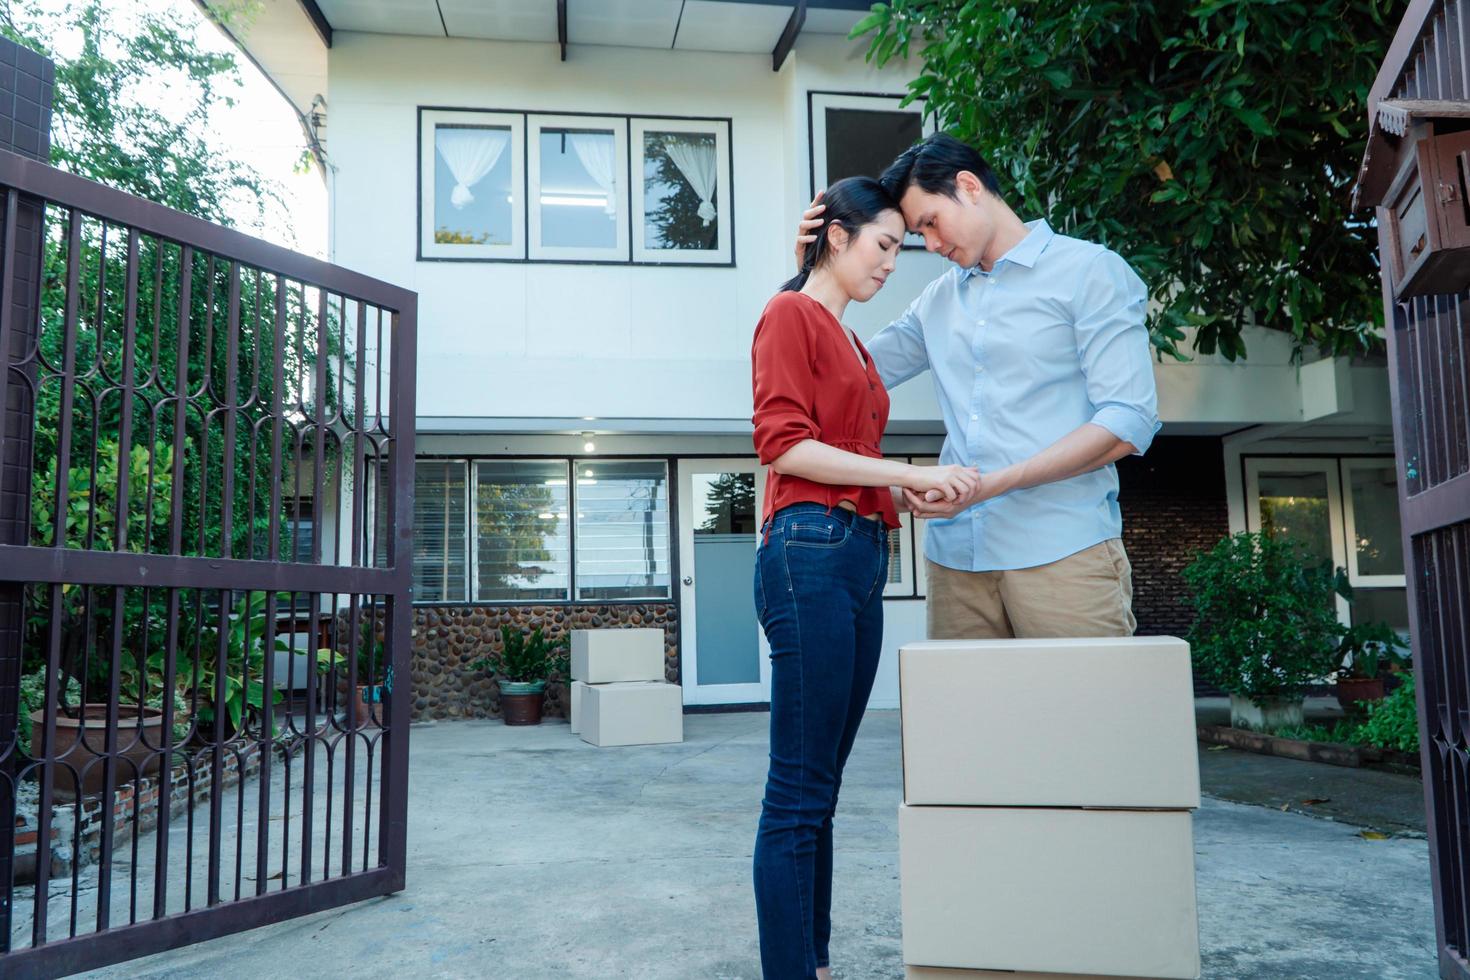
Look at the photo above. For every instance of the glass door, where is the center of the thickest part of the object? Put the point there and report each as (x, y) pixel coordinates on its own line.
(722, 648)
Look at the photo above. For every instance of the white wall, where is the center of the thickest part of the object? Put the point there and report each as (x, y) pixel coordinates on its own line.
(538, 340)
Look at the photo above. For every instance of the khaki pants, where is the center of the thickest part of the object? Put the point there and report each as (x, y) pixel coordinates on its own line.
(1089, 593)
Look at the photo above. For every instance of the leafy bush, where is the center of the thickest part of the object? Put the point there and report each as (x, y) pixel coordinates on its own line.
(1366, 648)
(1212, 144)
(1264, 623)
(1393, 723)
(523, 659)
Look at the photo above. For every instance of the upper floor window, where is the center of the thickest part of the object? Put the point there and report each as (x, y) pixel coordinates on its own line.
(519, 186)
(860, 135)
(472, 205)
(681, 192)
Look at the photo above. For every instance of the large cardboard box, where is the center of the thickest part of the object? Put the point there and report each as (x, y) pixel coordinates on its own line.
(574, 712)
(632, 713)
(1065, 722)
(1104, 892)
(609, 656)
(945, 973)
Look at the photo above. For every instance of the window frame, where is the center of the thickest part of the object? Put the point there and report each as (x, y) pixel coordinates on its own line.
(617, 253)
(471, 583)
(904, 587)
(472, 543)
(465, 519)
(921, 570)
(724, 252)
(819, 100)
(1330, 467)
(576, 462)
(428, 249)
(1349, 521)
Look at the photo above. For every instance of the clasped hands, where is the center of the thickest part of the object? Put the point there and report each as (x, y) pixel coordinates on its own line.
(944, 491)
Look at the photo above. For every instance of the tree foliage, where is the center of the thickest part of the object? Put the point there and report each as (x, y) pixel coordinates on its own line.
(1212, 143)
(1264, 625)
(111, 124)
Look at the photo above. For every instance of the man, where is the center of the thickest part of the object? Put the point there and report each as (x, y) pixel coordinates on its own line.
(1044, 377)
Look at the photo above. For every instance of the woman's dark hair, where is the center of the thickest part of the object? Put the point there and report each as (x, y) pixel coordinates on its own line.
(931, 165)
(852, 202)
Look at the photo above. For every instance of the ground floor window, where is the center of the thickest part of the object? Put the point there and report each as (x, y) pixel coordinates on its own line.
(540, 530)
(1344, 510)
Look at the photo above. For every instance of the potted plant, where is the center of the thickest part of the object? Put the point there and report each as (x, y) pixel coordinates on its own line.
(523, 665)
(1364, 652)
(371, 667)
(1264, 626)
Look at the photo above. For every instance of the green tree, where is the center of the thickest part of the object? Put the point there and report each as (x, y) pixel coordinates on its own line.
(110, 125)
(1212, 143)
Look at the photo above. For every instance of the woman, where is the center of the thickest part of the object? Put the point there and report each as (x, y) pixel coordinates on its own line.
(820, 410)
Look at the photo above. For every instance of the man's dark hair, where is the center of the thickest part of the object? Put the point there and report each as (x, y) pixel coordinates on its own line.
(931, 165)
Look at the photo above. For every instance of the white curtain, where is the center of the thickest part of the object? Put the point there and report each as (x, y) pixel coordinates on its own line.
(470, 154)
(696, 161)
(595, 150)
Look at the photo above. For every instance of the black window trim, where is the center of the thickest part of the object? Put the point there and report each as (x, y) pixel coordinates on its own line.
(525, 114)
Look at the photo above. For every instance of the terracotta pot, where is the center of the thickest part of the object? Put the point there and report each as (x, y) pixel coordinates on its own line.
(139, 746)
(362, 706)
(521, 703)
(1352, 690)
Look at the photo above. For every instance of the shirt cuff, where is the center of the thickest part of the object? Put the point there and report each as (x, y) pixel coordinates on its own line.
(1128, 424)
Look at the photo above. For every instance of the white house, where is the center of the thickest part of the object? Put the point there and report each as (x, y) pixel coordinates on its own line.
(594, 199)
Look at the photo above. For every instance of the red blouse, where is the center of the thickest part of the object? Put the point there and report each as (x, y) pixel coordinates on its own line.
(808, 385)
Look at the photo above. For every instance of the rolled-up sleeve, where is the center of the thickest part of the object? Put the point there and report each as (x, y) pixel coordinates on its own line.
(783, 384)
(1113, 345)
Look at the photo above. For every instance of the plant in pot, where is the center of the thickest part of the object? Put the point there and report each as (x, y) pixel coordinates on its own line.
(1264, 625)
(523, 665)
(1365, 651)
(372, 680)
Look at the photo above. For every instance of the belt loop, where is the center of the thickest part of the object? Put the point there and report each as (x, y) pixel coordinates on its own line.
(766, 532)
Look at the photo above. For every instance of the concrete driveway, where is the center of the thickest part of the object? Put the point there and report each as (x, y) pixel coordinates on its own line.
(533, 854)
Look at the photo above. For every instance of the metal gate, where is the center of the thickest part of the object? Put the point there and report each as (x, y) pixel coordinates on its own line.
(1426, 76)
(211, 599)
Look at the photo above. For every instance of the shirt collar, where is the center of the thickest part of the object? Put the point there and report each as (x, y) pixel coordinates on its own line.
(1025, 252)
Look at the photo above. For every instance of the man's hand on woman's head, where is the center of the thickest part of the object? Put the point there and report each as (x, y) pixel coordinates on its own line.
(806, 229)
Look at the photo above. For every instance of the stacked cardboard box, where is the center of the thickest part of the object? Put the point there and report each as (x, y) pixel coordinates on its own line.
(619, 695)
(1046, 823)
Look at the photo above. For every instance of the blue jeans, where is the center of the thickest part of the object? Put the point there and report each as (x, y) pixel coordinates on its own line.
(819, 578)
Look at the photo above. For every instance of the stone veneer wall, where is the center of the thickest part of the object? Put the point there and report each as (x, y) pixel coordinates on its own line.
(1174, 506)
(447, 639)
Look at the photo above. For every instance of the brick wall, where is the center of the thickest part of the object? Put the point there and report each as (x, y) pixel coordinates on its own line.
(448, 639)
(1174, 507)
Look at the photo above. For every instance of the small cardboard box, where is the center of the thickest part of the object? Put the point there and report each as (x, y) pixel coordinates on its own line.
(1091, 892)
(632, 713)
(574, 712)
(1065, 722)
(609, 656)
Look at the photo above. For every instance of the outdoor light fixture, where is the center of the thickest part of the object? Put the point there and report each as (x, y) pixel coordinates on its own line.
(588, 446)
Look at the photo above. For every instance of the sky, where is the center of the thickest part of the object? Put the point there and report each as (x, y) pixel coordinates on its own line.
(261, 129)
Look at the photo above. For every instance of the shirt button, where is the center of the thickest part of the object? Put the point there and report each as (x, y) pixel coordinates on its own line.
(875, 415)
(982, 323)
(974, 418)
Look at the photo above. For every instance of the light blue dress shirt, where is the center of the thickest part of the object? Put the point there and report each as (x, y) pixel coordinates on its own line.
(1051, 338)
